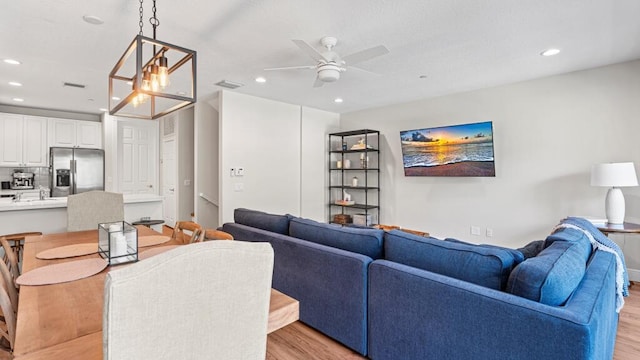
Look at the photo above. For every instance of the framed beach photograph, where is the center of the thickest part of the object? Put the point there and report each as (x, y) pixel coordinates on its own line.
(457, 150)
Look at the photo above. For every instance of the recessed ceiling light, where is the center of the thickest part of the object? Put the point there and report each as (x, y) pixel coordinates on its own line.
(103, 109)
(338, 100)
(93, 20)
(14, 83)
(115, 98)
(18, 99)
(550, 52)
(261, 80)
(12, 62)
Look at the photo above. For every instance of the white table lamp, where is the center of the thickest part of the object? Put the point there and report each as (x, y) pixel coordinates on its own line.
(614, 175)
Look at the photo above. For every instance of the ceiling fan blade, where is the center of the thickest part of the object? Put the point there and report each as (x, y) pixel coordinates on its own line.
(364, 71)
(365, 55)
(313, 53)
(318, 83)
(292, 67)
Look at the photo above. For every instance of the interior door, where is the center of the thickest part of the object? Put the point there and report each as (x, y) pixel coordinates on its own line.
(169, 180)
(137, 157)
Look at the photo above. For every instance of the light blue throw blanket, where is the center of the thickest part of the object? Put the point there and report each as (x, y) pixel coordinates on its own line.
(601, 242)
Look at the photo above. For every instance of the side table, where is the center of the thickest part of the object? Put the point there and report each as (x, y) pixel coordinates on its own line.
(624, 228)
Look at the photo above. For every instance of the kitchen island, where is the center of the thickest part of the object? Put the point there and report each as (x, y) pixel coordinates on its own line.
(50, 215)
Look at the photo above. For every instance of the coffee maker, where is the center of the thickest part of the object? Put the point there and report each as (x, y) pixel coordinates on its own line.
(22, 181)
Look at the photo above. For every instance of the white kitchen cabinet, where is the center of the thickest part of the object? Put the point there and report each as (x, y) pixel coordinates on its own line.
(23, 140)
(75, 133)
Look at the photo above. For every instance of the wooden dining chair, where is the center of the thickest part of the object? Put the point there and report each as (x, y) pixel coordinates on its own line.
(213, 234)
(8, 324)
(194, 230)
(10, 260)
(226, 319)
(16, 241)
(7, 282)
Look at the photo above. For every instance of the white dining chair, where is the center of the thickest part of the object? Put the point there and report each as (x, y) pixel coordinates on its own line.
(207, 300)
(86, 210)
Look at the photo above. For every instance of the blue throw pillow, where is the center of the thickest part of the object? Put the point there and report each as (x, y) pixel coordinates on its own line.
(362, 241)
(552, 276)
(262, 220)
(518, 256)
(485, 266)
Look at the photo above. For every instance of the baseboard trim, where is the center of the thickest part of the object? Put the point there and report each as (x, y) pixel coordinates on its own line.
(634, 274)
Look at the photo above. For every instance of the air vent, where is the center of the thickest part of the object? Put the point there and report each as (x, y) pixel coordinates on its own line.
(80, 86)
(229, 84)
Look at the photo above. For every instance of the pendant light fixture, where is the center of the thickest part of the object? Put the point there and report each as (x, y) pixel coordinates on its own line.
(152, 86)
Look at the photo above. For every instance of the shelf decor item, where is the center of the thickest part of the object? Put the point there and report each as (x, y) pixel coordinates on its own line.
(615, 176)
(118, 242)
(140, 87)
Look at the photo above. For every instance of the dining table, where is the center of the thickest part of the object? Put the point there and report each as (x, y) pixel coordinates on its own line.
(64, 321)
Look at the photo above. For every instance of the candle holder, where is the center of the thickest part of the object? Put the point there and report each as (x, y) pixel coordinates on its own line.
(118, 242)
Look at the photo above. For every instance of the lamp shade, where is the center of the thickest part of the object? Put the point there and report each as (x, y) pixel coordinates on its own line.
(614, 175)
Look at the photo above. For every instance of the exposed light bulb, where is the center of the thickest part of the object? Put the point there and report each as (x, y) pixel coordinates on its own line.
(163, 72)
(155, 83)
(146, 81)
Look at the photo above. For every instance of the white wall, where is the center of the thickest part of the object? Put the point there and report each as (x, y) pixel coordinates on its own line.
(316, 126)
(185, 163)
(207, 141)
(547, 134)
(283, 150)
(263, 137)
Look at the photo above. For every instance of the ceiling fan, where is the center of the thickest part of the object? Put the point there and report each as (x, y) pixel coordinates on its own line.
(329, 63)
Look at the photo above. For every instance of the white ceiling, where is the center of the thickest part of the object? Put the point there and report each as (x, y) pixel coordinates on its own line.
(459, 45)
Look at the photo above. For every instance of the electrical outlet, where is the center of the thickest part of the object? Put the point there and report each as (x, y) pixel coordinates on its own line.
(187, 183)
(240, 171)
(475, 230)
(489, 232)
(233, 172)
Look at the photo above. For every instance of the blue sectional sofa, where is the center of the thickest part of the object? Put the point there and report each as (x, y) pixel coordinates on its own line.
(400, 296)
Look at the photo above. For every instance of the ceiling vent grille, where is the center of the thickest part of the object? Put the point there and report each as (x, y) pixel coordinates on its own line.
(79, 86)
(229, 84)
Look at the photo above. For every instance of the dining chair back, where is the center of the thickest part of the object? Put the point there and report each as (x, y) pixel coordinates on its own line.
(86, 210)
(213, 234)
(9, 259)
(215, 307)
(187, 232)
(8, 330)
(16, 241)
(9, 285)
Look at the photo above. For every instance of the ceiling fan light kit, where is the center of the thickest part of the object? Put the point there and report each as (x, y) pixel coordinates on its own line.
(329, 64)
(143, 82)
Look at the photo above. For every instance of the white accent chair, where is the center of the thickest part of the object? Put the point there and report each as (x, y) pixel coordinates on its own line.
(86, 210)
(207, 300)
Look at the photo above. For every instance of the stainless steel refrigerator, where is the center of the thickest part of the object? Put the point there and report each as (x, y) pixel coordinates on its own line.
(75, 170)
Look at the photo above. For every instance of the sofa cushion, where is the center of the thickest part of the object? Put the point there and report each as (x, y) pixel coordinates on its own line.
(532, 249)
(552, 276)
(262, 220)
(518, 256)
(485, 266)
(362, 241)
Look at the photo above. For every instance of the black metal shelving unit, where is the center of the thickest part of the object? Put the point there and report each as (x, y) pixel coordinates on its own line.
(361, 148)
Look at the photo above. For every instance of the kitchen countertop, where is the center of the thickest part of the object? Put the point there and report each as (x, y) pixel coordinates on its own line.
(7, 204)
